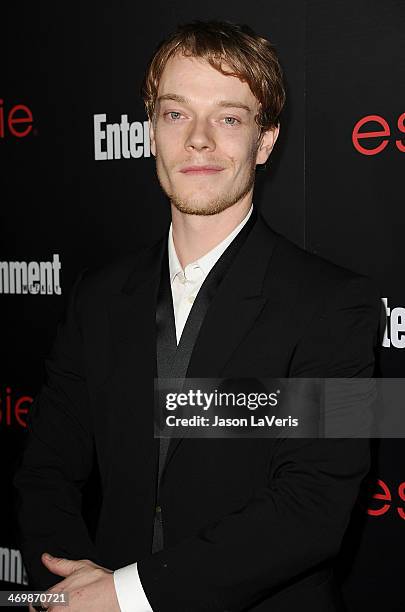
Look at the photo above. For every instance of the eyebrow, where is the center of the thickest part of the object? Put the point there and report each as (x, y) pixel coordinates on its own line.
(222, 103)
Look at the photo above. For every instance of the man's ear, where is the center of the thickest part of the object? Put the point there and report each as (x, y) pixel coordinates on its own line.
(266, 144)
(152, 137)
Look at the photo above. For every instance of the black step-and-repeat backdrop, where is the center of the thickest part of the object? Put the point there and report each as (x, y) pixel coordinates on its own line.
(78, 187)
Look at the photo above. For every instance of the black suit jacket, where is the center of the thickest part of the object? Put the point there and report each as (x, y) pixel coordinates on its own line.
(249, 524)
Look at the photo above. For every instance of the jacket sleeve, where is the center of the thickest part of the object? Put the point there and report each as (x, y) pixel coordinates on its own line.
(57, 459)
(297, 521)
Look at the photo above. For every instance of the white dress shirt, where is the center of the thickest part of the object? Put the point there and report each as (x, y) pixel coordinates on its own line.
(185, 285)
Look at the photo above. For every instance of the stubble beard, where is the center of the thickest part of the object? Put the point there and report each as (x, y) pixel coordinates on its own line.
(214, 206)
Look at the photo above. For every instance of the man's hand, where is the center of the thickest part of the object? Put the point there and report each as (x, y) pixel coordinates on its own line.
(90, 586)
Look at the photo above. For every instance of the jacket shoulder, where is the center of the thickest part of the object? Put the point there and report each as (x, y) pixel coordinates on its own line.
(319, 276)
(110, 277)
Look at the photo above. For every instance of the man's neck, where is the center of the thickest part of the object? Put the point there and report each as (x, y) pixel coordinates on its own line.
(196, 235)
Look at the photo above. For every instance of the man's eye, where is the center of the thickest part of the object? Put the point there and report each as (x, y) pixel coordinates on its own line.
(231, 121)
(174, 115)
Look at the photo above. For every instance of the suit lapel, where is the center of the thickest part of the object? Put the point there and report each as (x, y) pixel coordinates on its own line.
(132, 311)
(236, 305)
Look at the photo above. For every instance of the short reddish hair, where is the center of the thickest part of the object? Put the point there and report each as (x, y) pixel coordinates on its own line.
(246, 55)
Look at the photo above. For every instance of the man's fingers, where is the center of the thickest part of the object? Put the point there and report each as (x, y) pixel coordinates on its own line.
(60, 566)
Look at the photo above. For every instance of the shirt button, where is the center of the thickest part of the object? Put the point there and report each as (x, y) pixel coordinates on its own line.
(158, 509)
(191, 298)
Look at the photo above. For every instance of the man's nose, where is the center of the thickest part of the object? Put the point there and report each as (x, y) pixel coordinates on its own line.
(200, 136)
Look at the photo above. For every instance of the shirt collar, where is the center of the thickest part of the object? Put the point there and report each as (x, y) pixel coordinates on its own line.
(207, 261)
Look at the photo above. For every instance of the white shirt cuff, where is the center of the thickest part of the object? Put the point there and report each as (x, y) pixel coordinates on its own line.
(129, 589)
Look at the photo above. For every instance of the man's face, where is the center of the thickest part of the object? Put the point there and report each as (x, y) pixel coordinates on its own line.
(205, 138)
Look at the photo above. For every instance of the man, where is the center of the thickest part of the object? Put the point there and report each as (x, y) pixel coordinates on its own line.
(206, 524)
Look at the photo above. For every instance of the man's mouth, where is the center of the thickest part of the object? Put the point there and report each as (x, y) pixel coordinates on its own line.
(208, 169)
